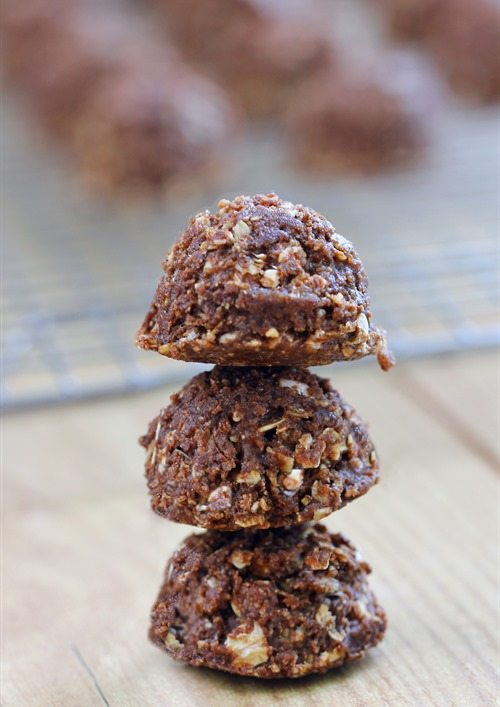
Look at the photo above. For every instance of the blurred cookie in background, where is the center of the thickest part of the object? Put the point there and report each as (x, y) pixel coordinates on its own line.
(258, 50)
(466, 47)
(410, 19)
(26, 27)
(355, 120)
(82, 49)
(115, 93)
(146, 131)
(463, 38)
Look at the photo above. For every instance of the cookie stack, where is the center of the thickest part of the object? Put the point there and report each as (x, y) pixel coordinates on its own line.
(258, 449)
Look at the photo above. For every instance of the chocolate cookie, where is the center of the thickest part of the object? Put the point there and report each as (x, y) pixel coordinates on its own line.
(462, 36)
(465, 44)
(27, 28)
(410, 19)
(259, 51)
(136, 117)
(86, 47)
(281, 603)
(262, 282)
(354, 122)
(146, 130)
(256, 447)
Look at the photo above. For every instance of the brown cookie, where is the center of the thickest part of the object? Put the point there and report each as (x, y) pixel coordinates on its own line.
(137, 118)
(256, 447)
(26, 28)
(270, 604)
(462, 36)
(465, 43)
(259, 51)
(354, 122)
(84, 48)
(149, 128)
(262, 282)
(410, 19)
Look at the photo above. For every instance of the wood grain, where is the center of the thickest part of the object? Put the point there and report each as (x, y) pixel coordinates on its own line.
(83, 555)
(467, 404)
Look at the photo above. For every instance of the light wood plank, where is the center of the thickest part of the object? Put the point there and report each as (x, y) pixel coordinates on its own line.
(467, 401)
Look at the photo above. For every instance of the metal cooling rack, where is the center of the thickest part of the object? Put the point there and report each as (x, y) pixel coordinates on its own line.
(78, 277)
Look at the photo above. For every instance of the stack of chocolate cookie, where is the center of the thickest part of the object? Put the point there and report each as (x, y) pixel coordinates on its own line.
(258, 450)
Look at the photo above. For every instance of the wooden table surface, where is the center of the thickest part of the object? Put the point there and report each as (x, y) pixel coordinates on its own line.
(83, 554)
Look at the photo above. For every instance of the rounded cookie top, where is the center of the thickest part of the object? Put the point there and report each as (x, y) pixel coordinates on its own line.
(256, 447)
(275, 603)
(262, 282)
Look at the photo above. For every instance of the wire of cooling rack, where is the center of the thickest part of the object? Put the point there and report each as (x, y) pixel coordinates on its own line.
(77, 277)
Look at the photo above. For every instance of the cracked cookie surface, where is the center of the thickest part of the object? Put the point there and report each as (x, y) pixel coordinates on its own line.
(262, 281)
(275, 603)
(256, 447)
